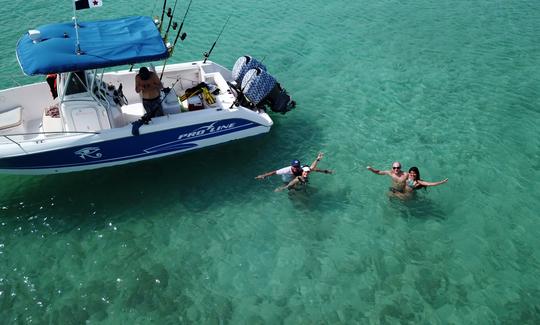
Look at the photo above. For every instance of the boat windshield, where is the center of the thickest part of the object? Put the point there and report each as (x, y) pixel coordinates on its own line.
(76, 83)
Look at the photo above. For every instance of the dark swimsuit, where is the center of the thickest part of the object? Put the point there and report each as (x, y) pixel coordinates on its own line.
(153, 106)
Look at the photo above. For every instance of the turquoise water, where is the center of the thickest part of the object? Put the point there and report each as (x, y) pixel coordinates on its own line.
(450, 87)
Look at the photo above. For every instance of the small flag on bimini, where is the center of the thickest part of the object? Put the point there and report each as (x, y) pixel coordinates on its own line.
(85, 4)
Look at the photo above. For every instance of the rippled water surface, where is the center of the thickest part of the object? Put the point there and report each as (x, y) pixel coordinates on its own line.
(451, 87)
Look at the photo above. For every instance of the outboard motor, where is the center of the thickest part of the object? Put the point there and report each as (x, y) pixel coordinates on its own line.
(257, 84)
(243, 65)
(261, 89)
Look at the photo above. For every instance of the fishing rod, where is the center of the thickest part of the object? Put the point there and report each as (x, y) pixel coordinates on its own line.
(175, 24)
(170, 14)
(162, 15)
(207, 54)
(180, 35)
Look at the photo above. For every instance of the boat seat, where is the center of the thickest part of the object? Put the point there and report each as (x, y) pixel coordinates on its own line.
(217, 79)
(225, 98)
(83, 116)
(10, 117)
(170, 103)
(85, 119)
(132, 112)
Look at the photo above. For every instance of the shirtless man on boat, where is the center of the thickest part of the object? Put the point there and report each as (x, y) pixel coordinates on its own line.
(148, 85)
(399, 177)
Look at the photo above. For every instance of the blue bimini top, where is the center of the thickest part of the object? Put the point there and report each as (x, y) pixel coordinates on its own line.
(104, 43)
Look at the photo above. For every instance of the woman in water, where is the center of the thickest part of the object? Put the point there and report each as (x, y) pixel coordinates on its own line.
(414, 182)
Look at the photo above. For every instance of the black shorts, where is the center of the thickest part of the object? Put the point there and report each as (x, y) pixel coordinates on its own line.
(153, 106)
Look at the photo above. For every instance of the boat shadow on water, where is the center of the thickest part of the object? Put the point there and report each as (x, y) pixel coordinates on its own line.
(196, 180)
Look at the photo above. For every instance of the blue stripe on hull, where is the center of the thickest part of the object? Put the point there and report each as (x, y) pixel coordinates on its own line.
(134, 147)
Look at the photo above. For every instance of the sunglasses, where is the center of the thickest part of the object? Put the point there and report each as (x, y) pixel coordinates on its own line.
(396, 167)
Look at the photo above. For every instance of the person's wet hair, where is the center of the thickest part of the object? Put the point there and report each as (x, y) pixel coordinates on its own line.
(417, 178)
(144, 73)
(415, 169)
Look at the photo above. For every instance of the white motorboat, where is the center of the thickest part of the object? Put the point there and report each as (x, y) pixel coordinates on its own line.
(98, 120)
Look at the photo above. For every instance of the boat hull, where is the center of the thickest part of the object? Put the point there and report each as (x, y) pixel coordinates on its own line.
(102, 150)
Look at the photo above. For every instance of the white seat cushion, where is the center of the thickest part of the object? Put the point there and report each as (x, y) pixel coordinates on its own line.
(136, 109)
(85, 119)
(10, 117)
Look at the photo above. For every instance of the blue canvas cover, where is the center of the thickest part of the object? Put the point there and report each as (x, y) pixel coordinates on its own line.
(103, 43)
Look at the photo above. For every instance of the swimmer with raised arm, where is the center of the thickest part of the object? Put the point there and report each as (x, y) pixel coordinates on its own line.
(398, 176)
(306, 170)
(415, 183)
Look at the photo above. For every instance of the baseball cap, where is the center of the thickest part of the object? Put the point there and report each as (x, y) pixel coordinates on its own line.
(295, 163)
(306, 169)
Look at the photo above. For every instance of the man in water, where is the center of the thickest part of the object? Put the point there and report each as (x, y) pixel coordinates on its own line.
(147, 84)
(296, 174)
(287, 173)
(399, 177)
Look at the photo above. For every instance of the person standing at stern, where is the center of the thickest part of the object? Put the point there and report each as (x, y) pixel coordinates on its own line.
(148, 85)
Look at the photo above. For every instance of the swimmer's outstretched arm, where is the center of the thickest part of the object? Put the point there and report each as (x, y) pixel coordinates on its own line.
(424, 183)
(316, 161)
(314, 168)
(263, 176)
(378, 172)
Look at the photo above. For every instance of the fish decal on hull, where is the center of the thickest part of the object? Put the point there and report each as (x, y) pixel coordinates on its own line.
(90, 152)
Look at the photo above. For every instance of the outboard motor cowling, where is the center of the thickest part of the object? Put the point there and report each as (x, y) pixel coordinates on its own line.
(256, 88)
(243, 65)
(257, 84)
(261, 89)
